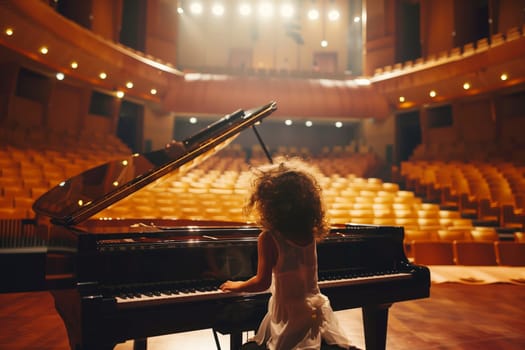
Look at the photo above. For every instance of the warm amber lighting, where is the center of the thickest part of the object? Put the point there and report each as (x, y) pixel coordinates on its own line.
(74, 65)
(153, 91)
(44, 50)
(401, 99)
(102, 75)
(9, 31)
(60, 76)
(333, 15)
(432, 93)
(313, 14)
(504, 76)
(120, 94)
(129, 85)
(466, 86)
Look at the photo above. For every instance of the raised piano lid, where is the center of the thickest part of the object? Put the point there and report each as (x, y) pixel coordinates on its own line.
(84, 195)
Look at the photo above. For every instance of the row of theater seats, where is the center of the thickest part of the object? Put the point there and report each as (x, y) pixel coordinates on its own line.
(32, 161)
(492, 193)
(469, 253)
(483, 44)
(216, 189)
(510, 150)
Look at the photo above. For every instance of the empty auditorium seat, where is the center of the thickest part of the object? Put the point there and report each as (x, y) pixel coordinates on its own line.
(481, 233)
(454, 234)
(474, 253)
(510, 253)
(432, 252)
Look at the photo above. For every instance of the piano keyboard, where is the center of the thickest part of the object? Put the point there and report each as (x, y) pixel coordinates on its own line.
(140, 299)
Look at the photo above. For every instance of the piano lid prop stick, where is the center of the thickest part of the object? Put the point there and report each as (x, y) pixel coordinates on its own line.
(262, 144)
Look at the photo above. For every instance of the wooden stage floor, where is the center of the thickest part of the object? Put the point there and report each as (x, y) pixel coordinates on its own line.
(455, 317)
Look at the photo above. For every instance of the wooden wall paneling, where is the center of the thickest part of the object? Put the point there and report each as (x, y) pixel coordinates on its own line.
(509, 14)
(106, 18)
(23, 112)
(67, 107)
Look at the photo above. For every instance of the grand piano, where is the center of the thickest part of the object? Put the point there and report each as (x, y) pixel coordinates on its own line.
(122, 279)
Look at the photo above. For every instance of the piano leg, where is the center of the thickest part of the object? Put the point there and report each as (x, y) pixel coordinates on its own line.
(375, 319)
(140, 344)
(235, 340)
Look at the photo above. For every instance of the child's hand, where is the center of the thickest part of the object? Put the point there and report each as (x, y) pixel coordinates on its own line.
(231, 286)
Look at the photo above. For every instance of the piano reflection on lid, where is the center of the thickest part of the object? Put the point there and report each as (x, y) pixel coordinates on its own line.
(116, 280)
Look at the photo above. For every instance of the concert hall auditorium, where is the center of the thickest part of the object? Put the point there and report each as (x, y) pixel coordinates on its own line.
(130, 131)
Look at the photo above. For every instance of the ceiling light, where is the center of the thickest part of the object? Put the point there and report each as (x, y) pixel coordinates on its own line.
(333, 15)
(60, 76)
(153, 91)
(102, 75)
(9, 31)
(74, 65)
(401, 99)
(180, 10)
(217, 10)
(266, 9)
(313, 14)
(288, 122)
(466, 86)
(324, 43)
(245, 9)
(357, 19)
(120, 94)
(287, 10)
(432, 93)
(44, 50)
(193, 120)
(338, 124)
(196, 8)
(308, 123)
(504, 76)
(129, 85)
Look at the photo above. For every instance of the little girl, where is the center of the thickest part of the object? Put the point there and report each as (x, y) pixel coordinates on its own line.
(287, 201)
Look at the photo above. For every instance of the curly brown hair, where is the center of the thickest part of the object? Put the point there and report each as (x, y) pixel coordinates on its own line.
(287, 198)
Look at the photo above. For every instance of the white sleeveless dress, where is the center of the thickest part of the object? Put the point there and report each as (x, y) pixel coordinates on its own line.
(299, 316)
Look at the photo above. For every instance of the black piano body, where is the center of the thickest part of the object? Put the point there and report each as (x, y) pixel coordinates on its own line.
(115, 280)
(135, 281)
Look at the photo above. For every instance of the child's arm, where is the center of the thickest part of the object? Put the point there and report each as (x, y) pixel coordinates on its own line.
(267, 256)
